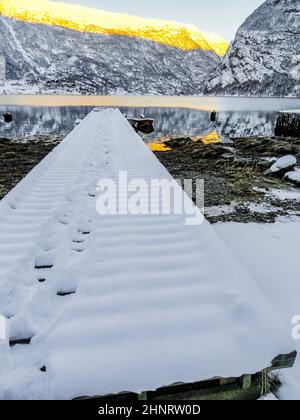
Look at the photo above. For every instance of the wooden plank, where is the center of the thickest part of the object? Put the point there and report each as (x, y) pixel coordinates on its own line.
(246, 387)
(284, 361)
(246, 381)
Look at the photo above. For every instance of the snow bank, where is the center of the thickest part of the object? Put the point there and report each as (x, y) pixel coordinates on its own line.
(271, 253)
(155, 302)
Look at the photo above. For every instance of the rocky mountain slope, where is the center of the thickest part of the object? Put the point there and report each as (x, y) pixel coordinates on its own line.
(93, 20)
(264, 58)
(54, 59)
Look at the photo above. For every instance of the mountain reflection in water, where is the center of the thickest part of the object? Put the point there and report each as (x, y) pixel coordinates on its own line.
(30, 121)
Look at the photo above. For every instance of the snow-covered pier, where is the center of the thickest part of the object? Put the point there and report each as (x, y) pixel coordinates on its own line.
(101, 304)
(288, 123)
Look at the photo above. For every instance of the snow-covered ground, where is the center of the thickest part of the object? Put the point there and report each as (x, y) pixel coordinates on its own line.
(20, 87)
(270, 253)
(153, 301)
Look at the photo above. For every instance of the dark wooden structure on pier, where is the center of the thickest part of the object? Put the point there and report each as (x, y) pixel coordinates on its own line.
(246, 387)
(288, 124)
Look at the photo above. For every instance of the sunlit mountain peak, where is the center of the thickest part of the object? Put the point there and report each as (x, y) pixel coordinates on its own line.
(85, 19)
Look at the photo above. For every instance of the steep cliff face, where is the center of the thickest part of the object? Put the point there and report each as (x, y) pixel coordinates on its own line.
(264, 58)
(59, 59)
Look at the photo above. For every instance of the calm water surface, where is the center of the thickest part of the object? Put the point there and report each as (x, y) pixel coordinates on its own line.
(188, 116)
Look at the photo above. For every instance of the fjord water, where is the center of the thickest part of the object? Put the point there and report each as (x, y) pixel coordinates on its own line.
(190, 116)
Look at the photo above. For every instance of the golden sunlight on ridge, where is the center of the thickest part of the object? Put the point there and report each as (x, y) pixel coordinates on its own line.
(84, 19)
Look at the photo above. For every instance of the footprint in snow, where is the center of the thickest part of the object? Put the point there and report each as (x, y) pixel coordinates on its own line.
(20, 341)
(84, 227)
(63, 293)
(44, 261)
(13, 204)
(78, 239)
(78, 249)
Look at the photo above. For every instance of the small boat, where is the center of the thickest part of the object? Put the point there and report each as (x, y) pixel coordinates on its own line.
(143, 125)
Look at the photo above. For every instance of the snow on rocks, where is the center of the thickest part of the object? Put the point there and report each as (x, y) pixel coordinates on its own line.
(147, 302)
(282, 165)
(280, 194)
(215, 211)
(293, 176)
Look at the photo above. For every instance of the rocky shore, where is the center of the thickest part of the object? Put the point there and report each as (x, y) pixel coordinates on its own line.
(18, 157)
(237, 186)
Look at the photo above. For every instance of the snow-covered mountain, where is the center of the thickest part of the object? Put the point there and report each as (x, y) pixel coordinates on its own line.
(55, 57)
(264, 58)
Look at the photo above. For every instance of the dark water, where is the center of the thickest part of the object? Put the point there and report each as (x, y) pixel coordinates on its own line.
(173, 116)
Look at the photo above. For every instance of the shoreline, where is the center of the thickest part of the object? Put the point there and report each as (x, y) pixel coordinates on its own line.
(18, 158)
(236, 189)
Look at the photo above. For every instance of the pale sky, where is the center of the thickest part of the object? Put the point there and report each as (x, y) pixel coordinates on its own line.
(221, 16)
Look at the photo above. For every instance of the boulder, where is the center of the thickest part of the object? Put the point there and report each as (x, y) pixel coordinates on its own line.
(282, 166)
(293, 176)
(211, 151)
(179, 142)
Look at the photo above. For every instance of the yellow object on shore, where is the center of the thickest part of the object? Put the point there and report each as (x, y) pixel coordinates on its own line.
(85, 19)
(159, 147)
(211, 138)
